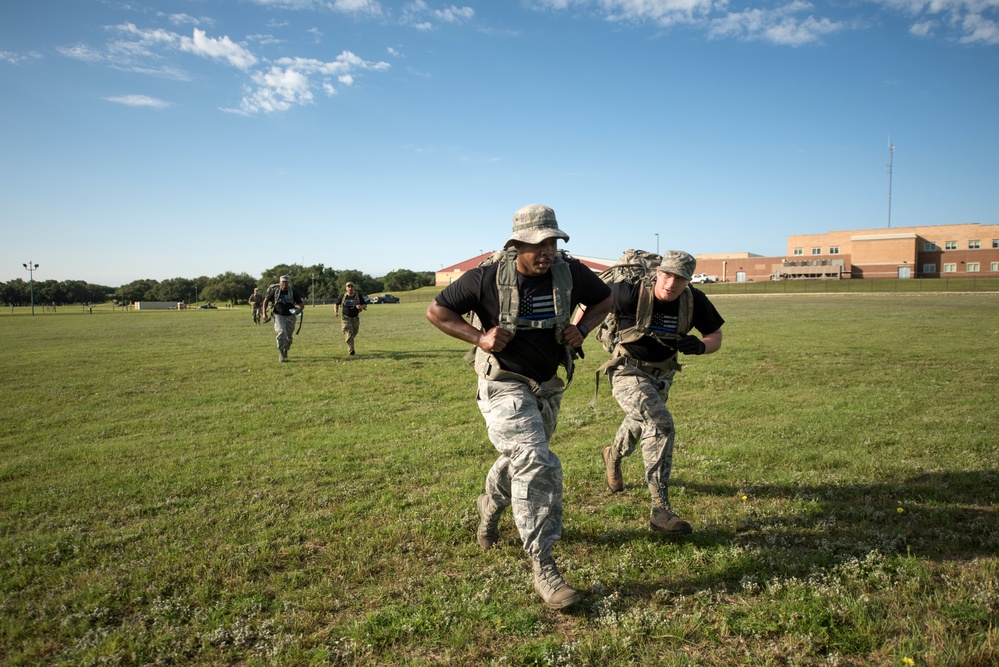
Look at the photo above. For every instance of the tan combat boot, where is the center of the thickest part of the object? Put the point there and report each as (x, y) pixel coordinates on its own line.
(663, 519)
(612, 464)
(550, 585)
(489, 516)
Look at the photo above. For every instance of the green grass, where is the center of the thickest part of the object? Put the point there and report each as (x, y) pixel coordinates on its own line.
(170, 494)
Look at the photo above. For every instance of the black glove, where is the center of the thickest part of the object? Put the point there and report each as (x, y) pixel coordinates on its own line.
(690, 345)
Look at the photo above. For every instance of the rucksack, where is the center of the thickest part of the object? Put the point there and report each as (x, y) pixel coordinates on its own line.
(634, 266)
(637, 267)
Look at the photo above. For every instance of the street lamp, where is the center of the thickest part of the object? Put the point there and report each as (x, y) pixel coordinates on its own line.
(657, 243)
(313, 289)
(31, 279)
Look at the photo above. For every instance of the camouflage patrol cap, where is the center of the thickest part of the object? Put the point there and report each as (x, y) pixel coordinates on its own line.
(533, 224)
(678, 263)
(283, 279)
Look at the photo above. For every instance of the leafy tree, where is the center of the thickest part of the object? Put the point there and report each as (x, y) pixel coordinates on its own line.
(228, 286)
(172, 289)
(49, 291)
(77, 291)
(404, 280)
(136, 290)
(15, 292)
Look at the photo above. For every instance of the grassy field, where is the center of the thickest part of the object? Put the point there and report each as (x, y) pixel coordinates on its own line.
(170, 494)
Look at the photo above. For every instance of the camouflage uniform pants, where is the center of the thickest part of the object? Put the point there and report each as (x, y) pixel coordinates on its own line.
(646, 420)
(527, 474)
(284, 327)
(257, 312)
(350, 326)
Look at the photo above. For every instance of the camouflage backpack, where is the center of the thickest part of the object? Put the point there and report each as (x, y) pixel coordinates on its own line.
(634, 266)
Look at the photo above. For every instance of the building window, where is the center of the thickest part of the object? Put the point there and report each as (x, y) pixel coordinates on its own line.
(972, 267)
(950, 245)
(995, 243)
(834, 250)
(929, 247)
(974, 245)
(816, 251)
(799, 251)
(929, 268)
(994, 266)
(950, 268)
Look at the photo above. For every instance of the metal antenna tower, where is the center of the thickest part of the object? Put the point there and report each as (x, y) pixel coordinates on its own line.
(891, 159)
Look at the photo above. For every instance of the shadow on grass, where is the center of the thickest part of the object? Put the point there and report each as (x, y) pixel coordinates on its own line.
(934, 516)
(940, 516)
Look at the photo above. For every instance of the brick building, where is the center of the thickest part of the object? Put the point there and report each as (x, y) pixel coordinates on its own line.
(932, 251)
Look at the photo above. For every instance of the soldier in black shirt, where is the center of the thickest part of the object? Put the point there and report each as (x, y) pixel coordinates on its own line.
(524, 301)
(641, 372)
(287, 305)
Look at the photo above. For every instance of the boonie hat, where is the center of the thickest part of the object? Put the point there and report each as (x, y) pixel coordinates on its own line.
(283, 279)
(533, 224)
(679, 263)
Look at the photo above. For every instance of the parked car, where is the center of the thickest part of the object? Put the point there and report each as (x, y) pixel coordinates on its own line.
(702, 279)
(385, 298)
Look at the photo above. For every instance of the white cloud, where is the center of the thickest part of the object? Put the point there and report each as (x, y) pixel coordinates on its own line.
(455, 14)
(186, 19)
(419, 15)
(796, 22)
(139, 101)
(277, 90)
(289, 82)
(660, 12)
(979, 30)
(357, 6)
(219, 49)
(779, 25)
(81, 52)
(343, 6)
(19, 58)
(922, 28)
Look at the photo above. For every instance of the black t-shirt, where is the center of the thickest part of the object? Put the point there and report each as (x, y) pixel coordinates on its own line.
(348, 304)
(282, 303)
(531, 352)
(664, 320)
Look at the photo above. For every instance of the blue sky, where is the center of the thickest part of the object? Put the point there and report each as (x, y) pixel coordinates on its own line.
(181, 138)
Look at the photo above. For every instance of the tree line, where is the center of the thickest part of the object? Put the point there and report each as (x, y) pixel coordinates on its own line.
(316, 282)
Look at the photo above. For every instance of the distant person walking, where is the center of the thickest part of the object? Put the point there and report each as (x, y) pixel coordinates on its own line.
(641, 370)
(256, 301)
(287, 304)
(349, 304)
(524, 297)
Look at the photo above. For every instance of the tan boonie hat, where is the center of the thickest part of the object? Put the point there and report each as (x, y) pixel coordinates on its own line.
(533, 224)
(678, 263)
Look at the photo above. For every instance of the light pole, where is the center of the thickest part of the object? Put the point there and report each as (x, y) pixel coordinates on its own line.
(31, 280)
(657, 243)
(313, 289)
(891, 160)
